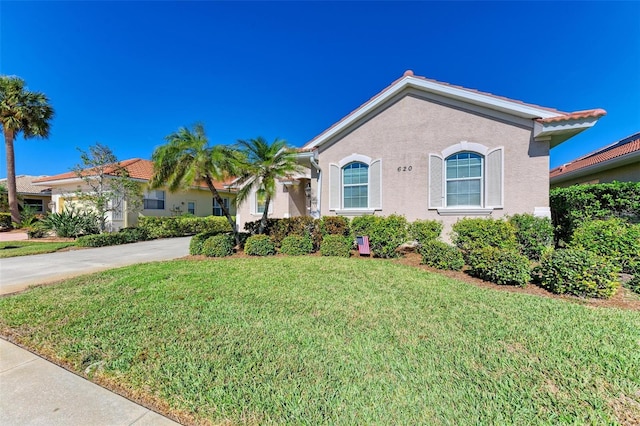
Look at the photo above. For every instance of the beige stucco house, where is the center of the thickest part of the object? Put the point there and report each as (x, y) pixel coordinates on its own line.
(619, 161)
(196, 200)
(35, 196)
(428, 150)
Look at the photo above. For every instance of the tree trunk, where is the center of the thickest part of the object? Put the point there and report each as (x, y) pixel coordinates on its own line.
(218, 198)
(263, 219)
(11, 176)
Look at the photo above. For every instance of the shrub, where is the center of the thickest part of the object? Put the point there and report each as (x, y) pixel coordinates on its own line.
(259, 245)
(578, 203)
(473, 234)
(195, 245)
(72, 223)
(334, 225)
(441, 255)
(533, 234)
(634, 283)
(578, 272)
(336, 245)
(363, 225)
(299, 225)
(252, 227)
(614, 239)
(5, 220)
(296, 245)
(499, 266)
(220, 245)
(387, 234)
(134, 234)
(180, 226)
(425, 230)
(100, 240)
(37, 230)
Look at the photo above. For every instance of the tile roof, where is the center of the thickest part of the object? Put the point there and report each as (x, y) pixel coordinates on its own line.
(137, 169)
(619, 149)
(24, 185)
(561, 116)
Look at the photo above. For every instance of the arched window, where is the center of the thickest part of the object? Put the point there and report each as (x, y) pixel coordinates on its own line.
(464, 179)
(355, 185)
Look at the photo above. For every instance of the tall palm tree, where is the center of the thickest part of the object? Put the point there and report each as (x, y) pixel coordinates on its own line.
(20, 111)
(187, 158)
(262, 164)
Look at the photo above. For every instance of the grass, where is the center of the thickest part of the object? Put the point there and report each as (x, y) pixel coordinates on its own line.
(26, 248)
(313, 340)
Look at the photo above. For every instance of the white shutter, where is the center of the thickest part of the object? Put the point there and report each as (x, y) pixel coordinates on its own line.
(436, 179)
(375, 185)
(494, 179)
(334, 187)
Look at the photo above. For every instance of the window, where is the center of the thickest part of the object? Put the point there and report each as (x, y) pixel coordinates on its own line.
(217, 210)
(464, 179)
(153, 200)
(36, 205)
(355, 186)
(261, 201)
(191, 207)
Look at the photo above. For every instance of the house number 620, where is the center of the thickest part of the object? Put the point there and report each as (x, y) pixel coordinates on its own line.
(405, 168)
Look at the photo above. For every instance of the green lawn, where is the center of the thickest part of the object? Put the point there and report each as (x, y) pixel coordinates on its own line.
(26, 248)
(327, 340)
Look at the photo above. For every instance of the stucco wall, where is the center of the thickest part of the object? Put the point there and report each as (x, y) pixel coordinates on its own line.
(411, 128)
(626, 173)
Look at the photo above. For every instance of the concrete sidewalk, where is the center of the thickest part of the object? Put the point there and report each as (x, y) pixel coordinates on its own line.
(34, 391)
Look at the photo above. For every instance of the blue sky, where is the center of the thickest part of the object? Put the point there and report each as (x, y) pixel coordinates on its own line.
(126, 74)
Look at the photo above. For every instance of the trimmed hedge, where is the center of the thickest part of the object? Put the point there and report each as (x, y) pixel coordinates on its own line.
(124, 236)
(441, 255)
(533, 234)
(334, 225)
(336, 245)
(298, 225)
(578, 203)
(499, 266)
(296, 245)
(474, 234)
(195, 245)
(424, 231)
(578, 272)
(259, 245)
(182, 226)
(220, 245)
(614, 239)
(363, 225)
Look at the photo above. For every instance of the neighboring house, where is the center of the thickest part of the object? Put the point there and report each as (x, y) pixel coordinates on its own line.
(156, 202)
(429, 150)
(36, 197)
(619, 161)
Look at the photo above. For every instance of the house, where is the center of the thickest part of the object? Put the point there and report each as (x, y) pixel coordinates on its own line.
(36, 197)
(619, 161)
(197, 200)
(428, 150)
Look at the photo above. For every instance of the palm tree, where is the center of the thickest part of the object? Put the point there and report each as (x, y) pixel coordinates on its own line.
(187, 158)
(20, 111)
(261, 165)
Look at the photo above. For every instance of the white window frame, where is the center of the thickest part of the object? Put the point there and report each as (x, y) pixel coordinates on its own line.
(344, 185)
(148, 196)
(481, 178)
(225, 202)
(194, 207)
(368, 161)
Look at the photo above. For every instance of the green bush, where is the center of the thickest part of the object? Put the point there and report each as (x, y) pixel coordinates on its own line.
(472, 234)
(134, 234)
(296, 245)
(37, 230)
(441, 255)
(634, 283)
(578, 272)
(578, 203)
(259, 245)
(124, 236)
(499, 266)
(387, 234)
(613, 238)
(533, 234)
(363, 225)
(195, 245)
(220, 245)
(298, 225)
(425, 230)
(252, 227)
(334, 225)
(336, 245)
(182, 226)
(5, 220)
(72, 223)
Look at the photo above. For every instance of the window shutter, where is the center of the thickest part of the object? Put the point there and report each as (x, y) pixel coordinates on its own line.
(436, 195)
(494, 179)
(375, 185)
(334, 187)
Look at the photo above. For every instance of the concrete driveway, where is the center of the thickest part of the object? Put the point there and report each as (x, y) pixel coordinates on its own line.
(17, 273)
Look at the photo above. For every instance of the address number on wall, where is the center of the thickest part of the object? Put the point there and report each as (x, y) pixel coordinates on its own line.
(405, 168)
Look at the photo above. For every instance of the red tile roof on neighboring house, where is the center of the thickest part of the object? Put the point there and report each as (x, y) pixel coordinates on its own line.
(137, 169)
(621, 148)
(561, 116)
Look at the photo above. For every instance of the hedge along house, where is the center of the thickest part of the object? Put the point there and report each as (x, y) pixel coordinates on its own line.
(197, 200)
(430, 150)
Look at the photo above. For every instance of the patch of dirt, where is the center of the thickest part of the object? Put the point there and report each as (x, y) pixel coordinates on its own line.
(626, 409)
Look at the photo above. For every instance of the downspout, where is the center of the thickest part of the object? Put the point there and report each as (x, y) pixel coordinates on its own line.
(314, 162)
